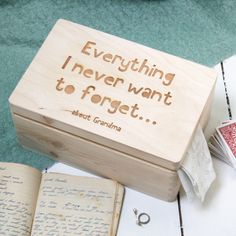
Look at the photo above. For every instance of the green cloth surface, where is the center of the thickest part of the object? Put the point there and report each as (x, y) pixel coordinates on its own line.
(200, 30)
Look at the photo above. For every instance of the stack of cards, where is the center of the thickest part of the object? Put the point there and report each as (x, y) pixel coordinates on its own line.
(223, 143)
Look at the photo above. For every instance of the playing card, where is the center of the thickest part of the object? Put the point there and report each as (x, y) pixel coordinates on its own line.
(219, 154)
(228, 133)
(223, 143)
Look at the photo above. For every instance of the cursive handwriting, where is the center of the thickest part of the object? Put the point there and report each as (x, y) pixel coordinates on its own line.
(70, 205)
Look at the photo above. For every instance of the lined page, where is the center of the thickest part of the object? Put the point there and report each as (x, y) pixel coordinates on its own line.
(19, 185)
(72, 205)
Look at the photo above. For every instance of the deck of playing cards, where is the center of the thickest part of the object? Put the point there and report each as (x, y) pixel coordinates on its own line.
(223, 143)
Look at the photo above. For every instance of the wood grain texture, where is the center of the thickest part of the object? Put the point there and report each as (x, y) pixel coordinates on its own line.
(217, 215)
(80, 74)
(70, 149)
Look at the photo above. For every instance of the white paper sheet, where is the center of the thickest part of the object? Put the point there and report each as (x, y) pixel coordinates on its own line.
(197, 173)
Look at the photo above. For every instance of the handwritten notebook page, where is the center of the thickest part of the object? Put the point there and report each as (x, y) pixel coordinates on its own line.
(19, 187)
(71, 205)
(117, 207)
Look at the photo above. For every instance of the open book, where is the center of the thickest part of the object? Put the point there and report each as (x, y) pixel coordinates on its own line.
(54, 204)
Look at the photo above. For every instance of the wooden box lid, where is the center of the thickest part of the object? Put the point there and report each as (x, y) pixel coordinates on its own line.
(114, 92)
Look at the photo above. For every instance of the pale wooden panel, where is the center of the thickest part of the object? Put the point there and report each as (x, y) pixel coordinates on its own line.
(218, 213)
(164, 143)
(230, 77)
(219, 110)
(164, 216)
(145, 177)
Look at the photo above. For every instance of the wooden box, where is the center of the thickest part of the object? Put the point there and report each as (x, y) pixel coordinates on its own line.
(113, 107)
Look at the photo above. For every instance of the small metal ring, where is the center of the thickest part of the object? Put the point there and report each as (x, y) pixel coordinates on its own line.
(143, 215)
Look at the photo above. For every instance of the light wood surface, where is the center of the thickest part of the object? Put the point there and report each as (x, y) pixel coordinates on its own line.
(217, 215)
(70, 149)
(81, 69)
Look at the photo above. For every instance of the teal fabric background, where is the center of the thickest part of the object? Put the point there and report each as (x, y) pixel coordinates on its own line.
(200, 30)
